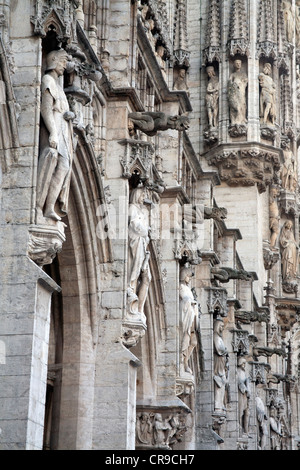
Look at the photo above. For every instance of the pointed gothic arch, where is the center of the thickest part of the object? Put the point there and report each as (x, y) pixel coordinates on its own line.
(74, 327)
(147, 349)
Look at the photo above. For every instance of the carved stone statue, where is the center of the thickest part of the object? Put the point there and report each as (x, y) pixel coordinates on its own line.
(180, 82)
(212, 97)
(267, 96)
(139, 276)
(289, 251)
(160, 427)
(289, 21)
(220, 366)
(262, 419)
(275, 429)
(288, 171)
(244, 395)
(274, 216)
(189, 312)
(56, 140)
(237, 85)
(152, 122)
(144, 428)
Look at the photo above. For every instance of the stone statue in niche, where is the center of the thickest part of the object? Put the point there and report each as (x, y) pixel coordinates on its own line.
(180, 82)
(160, 57)
(289, 21)
(56, 140)
(152, 122)
(275, 429)
(212, 98)
(274, 216)
(243, 396)
(267, 96)
(237, 85)
(220, 366)
(189, 312)
(289, 251)
(288, 171)
(139, 275)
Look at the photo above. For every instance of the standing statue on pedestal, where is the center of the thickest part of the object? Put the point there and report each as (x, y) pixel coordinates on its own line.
(274, 216)
(267, 96)
(244, 396)
(189, 312)
(288, 172)
(212, 98)
(139, 276)
(56, 141)
(220, 366)
(237, 85)
(289, 21)
(289, 251)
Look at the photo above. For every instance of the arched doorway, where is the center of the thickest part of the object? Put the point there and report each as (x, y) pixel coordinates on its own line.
(74, 314)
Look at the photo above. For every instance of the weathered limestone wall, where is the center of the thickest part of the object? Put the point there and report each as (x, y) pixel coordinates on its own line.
(240, 213)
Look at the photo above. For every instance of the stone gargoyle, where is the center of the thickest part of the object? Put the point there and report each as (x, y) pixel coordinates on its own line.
(225, 274)
(152, 122)
(247, 317)
(216, 213)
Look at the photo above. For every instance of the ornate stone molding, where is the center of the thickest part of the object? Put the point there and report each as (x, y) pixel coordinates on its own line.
(245, 165)
(45, 242)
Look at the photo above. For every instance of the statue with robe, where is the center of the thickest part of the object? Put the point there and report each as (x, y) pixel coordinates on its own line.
(56, 140)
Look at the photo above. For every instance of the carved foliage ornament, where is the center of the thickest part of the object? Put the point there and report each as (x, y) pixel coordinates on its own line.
(246, 167)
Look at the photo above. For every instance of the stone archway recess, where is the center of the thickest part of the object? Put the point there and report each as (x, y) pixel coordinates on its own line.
(74, 328)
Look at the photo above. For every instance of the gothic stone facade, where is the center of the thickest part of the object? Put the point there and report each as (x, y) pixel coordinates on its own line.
(149, 218)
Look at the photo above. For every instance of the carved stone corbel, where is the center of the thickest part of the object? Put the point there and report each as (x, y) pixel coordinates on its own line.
(45, 242)
(132, 332)
(271, 256)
